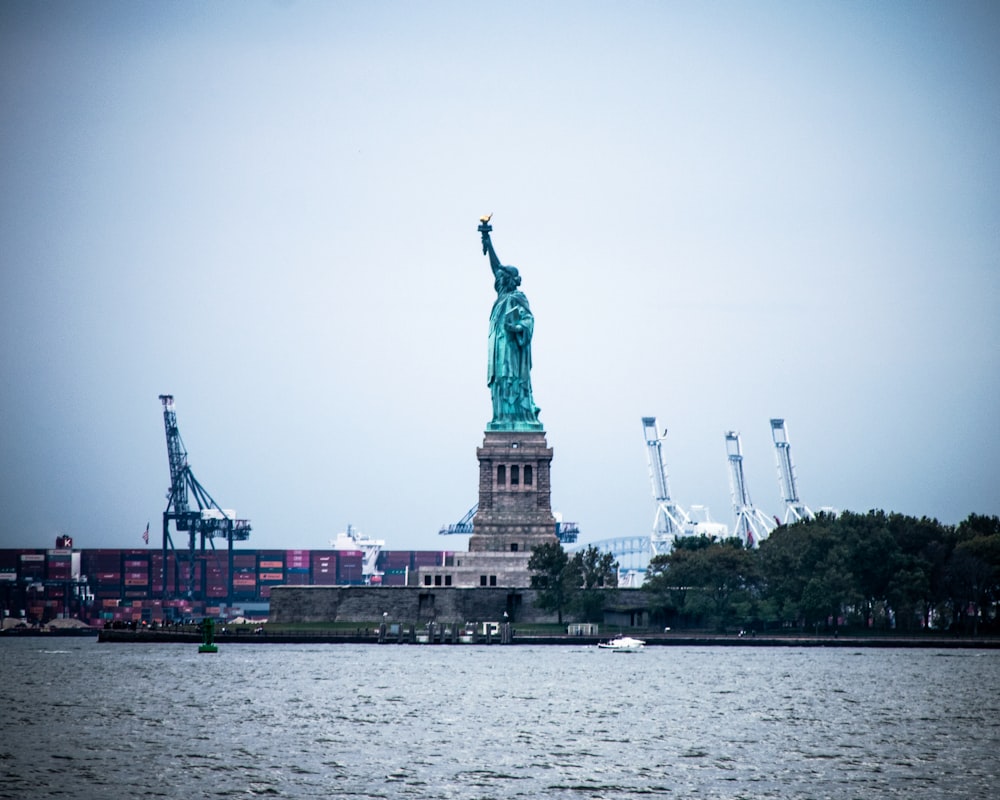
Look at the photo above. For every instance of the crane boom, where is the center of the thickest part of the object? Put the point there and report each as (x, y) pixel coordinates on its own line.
(670, 520)
(208, 521)
(752, 525)
(795, 509)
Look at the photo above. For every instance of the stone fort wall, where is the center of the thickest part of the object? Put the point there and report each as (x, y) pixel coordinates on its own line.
(402, 604)
(419, 604)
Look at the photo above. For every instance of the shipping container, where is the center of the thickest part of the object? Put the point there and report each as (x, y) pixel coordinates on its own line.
(426, 558)
(394, 559)
(349, 568)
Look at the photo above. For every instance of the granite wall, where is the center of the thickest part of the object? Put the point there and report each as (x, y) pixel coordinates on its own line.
(417, 604)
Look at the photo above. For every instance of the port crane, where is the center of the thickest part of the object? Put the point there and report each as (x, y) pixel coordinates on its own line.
(671, 520)
(752, 525)
(568, 532)
(204, 522)
(795, 509)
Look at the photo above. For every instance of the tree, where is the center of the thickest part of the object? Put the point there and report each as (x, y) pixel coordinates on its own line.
(553, 576)
(973, 570)
(805, 571)
(705, 579)
(595, 571)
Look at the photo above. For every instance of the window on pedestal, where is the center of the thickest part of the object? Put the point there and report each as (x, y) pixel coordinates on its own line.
(502, 475)
(513, 547)
(528, 477)
(515, 475)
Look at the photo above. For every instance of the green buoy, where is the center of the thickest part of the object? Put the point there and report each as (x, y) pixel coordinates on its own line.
(208, 644)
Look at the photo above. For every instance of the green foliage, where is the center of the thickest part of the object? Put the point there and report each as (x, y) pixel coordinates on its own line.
(594, 571)
(706, 581)
(549, 567)
(878, 570)
(565, 583)
(874, 571)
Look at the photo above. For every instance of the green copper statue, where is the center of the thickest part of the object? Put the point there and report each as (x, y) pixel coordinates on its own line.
(509, 367)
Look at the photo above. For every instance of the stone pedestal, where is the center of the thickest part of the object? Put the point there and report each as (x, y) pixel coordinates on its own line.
(515, 507)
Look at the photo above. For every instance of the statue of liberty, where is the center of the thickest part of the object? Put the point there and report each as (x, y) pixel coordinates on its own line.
(508, 368)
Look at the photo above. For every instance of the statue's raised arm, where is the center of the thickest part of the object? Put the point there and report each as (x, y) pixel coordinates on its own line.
(484, 229)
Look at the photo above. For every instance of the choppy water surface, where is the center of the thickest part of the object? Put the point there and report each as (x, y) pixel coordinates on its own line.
(88, 720)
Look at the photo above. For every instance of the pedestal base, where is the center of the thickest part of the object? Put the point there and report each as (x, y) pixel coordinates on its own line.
(515, 512)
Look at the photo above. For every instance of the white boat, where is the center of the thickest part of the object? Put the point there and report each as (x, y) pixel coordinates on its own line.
(623, 644)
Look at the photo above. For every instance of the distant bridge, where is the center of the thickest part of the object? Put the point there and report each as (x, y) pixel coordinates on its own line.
(631, 552)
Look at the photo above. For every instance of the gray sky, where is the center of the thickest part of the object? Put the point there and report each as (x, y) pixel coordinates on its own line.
(722, 213)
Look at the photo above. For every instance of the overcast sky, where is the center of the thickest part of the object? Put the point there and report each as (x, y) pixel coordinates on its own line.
(722, 213)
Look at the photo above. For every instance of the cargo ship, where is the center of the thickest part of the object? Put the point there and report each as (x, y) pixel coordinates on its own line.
(136, 585)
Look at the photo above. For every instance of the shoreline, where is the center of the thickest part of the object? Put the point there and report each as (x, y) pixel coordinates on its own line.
(652, 640)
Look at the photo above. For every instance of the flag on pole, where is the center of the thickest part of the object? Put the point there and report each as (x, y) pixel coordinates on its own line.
(145, 535)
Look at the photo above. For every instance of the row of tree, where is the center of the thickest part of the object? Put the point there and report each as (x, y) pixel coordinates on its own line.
(873, 570)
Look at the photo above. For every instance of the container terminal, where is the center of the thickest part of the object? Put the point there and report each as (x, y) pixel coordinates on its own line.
(128, 585)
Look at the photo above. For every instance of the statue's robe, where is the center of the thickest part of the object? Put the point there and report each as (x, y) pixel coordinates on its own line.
(509, 366)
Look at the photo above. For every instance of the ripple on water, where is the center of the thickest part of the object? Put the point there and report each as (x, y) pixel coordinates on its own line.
(522, 722)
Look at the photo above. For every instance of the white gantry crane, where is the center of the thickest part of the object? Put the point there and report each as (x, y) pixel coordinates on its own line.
(752, 525)
(795, 509)
(670, 519)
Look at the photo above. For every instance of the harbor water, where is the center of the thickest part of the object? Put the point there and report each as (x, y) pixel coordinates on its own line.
(88, 720)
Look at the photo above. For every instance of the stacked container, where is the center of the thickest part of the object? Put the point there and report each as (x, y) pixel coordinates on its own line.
(324, 567)
(135, 573)
(297, 567)
(270, 570)
(245, 574)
